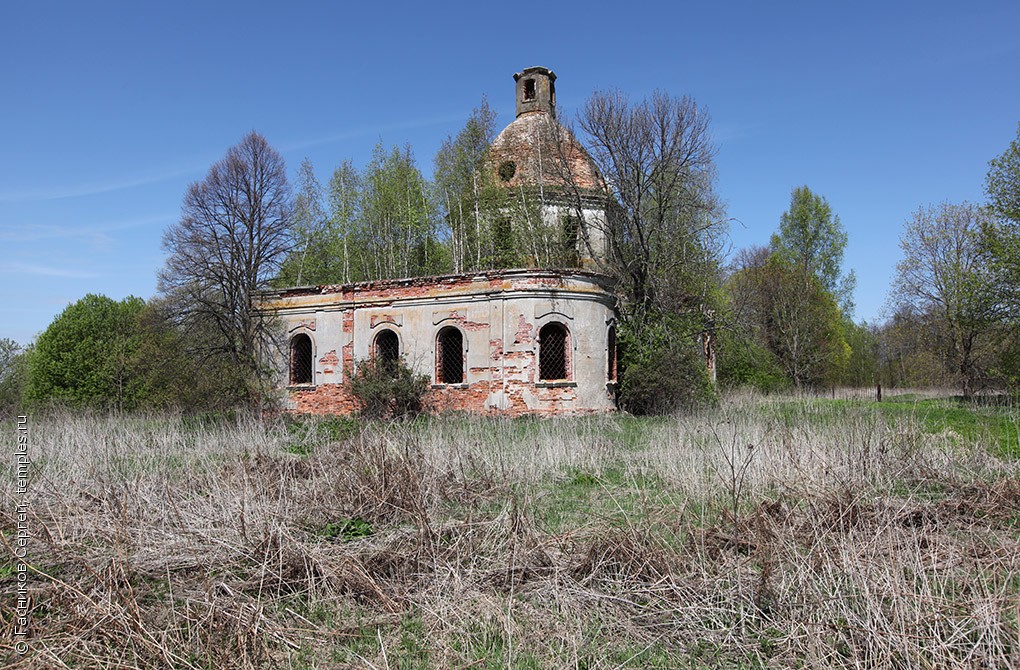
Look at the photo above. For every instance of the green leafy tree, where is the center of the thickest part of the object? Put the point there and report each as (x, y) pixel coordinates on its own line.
(13, 369)
(913, 350)
(811, 236)
(381, 223)
(744, 362)
(399, 220)
(785, 308)
(176, 367)
(1002, 183)
(862, 367)
(946, 272)
(307, 263)
(340, 245)
(329, 245)
(85, 356)
(1001, 237)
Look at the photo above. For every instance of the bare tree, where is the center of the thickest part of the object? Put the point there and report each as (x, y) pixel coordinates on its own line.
(665, 226)
(233, 234)
(661, 237)
(945, 270)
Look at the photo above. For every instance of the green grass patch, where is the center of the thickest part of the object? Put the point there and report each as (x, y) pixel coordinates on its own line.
(344, 529)
(612, 495)
(995, 426)
(306, 433)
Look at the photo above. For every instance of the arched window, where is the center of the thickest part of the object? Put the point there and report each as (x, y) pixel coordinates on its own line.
(611, 355)
(449, 356)
(387, 347)
(552, 352)
(300, 359)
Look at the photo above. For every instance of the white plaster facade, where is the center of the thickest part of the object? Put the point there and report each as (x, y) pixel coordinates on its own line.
(500, 316)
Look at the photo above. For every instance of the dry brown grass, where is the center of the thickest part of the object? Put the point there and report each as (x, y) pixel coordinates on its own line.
(736, 538)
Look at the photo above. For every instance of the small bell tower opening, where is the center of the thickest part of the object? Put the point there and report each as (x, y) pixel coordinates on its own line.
(536, 90)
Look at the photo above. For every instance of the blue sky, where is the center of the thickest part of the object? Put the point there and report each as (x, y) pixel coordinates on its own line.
(110, 110)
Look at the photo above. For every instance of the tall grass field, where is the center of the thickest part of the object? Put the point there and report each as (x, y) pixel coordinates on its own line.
(769, 532)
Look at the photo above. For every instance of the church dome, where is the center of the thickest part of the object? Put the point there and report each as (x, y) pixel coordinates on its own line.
(536, 149)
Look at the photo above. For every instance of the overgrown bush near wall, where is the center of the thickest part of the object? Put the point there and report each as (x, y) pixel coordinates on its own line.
(388, 389)
(663, 369)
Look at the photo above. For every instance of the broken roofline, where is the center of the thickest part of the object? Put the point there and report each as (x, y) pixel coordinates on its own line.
(604, 281)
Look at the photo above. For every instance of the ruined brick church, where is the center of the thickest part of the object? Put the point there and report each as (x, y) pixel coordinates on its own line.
(506, 342)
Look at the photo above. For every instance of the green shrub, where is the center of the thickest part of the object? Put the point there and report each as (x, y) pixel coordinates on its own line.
(663, 369)
(84, 357)
(388, 389)
(345, 529)
(742, 362)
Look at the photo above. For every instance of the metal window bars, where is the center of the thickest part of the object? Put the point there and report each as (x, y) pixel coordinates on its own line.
(552, 352)
(301, 360)
(450, 351)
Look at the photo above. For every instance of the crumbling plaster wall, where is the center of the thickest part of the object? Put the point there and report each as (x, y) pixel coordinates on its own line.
(499, 315)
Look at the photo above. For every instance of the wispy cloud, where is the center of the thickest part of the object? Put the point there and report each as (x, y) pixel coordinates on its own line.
(63, 191)
(44, 271)
(730, 132)
(120, 183)
(352, 133)
(101, 234)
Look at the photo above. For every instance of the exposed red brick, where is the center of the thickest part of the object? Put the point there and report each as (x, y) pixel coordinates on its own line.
(523, 334)
(543, 152)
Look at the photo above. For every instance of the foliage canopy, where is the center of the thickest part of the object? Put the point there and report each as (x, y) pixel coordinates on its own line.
(85, 355)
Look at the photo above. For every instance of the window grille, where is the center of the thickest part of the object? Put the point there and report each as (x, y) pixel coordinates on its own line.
(387, 347)
(301, 360)
(552, 352)
(450, 352)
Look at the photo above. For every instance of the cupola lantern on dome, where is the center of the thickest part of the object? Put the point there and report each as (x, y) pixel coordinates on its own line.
(536, 90)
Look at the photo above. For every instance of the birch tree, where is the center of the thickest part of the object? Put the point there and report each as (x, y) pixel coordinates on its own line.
(460, 184)
(811, 236)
